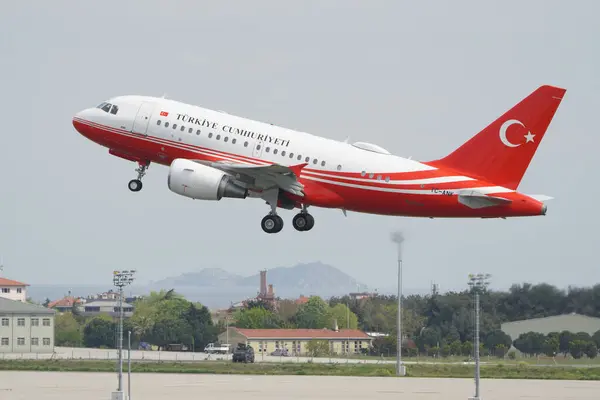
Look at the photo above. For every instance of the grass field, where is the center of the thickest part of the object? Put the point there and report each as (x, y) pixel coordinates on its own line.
(496, 371)
(542, 360)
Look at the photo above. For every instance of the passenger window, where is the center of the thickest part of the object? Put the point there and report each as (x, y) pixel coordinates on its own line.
(210, 135)
(166, 124)
(274, 151)
(233, 140)
(339, 167)
(291, 155)
(371, 175)
(226, 139)
(299, 157)
(258, 147)
(387, 178)
(307, 159)
(218, 137)
(283, 153)
(198, 132)
(191, 130)
(245, 144)
(182, 128)
(158, 122)
(267, 149)
(378, 177)
(322, 163)
(363, 173)
(174, 126)
(314, 160)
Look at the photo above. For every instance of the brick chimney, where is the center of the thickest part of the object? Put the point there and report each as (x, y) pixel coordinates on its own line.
(263, 283)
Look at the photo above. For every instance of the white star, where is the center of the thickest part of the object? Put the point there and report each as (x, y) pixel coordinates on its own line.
(529, 137)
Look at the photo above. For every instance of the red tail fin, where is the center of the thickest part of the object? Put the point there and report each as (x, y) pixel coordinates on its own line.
(501, 153)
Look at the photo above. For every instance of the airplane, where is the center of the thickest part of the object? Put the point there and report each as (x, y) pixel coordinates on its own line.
(213, 155)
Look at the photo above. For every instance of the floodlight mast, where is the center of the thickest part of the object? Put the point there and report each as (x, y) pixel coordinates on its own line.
(478, 283)
(120, 280)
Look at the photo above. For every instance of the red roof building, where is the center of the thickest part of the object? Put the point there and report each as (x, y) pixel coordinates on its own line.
(13, 290)
(325, 342)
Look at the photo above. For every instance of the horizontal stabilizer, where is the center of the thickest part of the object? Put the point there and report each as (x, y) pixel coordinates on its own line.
(475, 199)
(540, 197)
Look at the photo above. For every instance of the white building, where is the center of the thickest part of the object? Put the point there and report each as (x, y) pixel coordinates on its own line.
(25, 328)
(13, 290)
(105, 307)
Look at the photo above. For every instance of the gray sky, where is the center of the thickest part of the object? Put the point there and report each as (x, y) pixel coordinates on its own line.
(418, 80)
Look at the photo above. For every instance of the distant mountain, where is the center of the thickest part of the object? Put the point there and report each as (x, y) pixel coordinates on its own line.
(218, 288)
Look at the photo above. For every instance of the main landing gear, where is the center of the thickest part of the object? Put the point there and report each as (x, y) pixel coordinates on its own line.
(135, 185)
(273, 223)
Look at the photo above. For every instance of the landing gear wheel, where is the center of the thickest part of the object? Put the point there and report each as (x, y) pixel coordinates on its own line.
(303, 222)
(311, 222)
(272, 223)
(135, 185)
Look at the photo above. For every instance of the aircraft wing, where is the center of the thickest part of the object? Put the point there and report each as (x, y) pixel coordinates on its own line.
(475, 199)
(263, 177)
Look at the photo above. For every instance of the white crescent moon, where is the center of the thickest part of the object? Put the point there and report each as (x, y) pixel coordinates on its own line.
(503, 129)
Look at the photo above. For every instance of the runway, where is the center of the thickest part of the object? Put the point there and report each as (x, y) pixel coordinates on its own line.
(16, 385)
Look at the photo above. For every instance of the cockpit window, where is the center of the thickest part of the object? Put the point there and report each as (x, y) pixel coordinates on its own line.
(109, 108)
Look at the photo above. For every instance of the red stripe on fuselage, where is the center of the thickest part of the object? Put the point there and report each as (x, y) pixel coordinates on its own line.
(322, 194)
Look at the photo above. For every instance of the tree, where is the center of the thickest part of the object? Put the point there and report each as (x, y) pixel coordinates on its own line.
(577, 348)
(341, 315)
(67, 331)
(551, 346)
(591, 350)
(467, 348)
(596, 338)
(313, 314)
(256, 318)
(166, 317)
(497, 338)
(530, 343)
(456, 348)
(564, 340)
(99, 332)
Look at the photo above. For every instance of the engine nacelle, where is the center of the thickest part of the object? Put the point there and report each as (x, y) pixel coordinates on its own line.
(197, 181)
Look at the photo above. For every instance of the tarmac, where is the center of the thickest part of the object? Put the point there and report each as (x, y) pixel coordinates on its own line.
(17, 385)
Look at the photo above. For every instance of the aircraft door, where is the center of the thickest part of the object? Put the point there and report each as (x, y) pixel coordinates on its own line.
(258, 148)
(140, 124)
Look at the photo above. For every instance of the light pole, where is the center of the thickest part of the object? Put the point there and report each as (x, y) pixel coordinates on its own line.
(478, 283)
(398, 238)
(120, 280)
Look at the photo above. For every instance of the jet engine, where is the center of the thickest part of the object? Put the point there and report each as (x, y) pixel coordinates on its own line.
(191, 179)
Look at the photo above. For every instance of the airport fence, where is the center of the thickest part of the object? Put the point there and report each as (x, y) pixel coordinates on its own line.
(62, 353)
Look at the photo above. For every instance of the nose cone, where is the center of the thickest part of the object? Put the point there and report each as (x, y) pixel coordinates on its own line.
(82, 118)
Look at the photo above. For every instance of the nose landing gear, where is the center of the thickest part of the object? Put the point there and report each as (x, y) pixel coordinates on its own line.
(135, 185)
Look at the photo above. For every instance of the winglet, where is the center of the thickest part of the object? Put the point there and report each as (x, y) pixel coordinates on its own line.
(540, 197)
(297, 169)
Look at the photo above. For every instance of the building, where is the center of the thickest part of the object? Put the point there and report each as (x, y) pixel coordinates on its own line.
(558, 323)
(13, 290)
(105, 307)
(65, 304)
(296, 340)
(25, 327)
